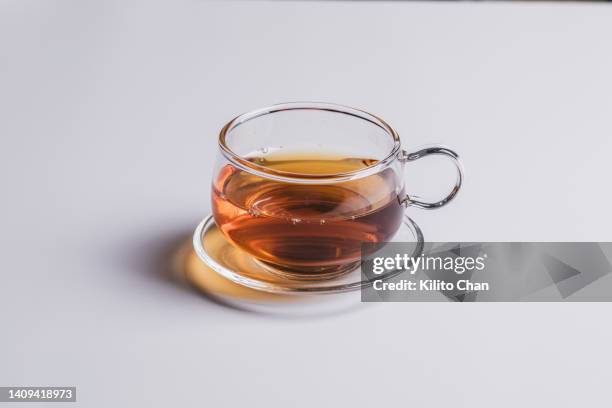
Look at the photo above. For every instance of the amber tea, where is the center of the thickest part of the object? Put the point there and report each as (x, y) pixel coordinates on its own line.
(310, 229)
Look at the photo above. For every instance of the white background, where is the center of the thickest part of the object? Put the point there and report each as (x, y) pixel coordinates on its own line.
(109, 113)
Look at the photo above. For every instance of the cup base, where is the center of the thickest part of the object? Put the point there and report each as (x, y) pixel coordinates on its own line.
(309, 274)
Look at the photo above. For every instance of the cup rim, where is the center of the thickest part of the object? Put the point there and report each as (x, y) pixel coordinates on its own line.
(279, 175)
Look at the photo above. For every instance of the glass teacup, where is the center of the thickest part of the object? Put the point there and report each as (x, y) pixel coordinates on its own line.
(301, 186)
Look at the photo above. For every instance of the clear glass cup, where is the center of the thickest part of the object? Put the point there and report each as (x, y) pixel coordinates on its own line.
(301, 186)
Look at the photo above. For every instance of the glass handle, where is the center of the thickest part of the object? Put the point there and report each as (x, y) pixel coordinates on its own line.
(404, 157)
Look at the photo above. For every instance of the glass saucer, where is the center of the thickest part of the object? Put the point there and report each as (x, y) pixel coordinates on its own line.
(238, 266)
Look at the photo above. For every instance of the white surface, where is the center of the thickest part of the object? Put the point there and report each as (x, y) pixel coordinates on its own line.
(109, 118)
